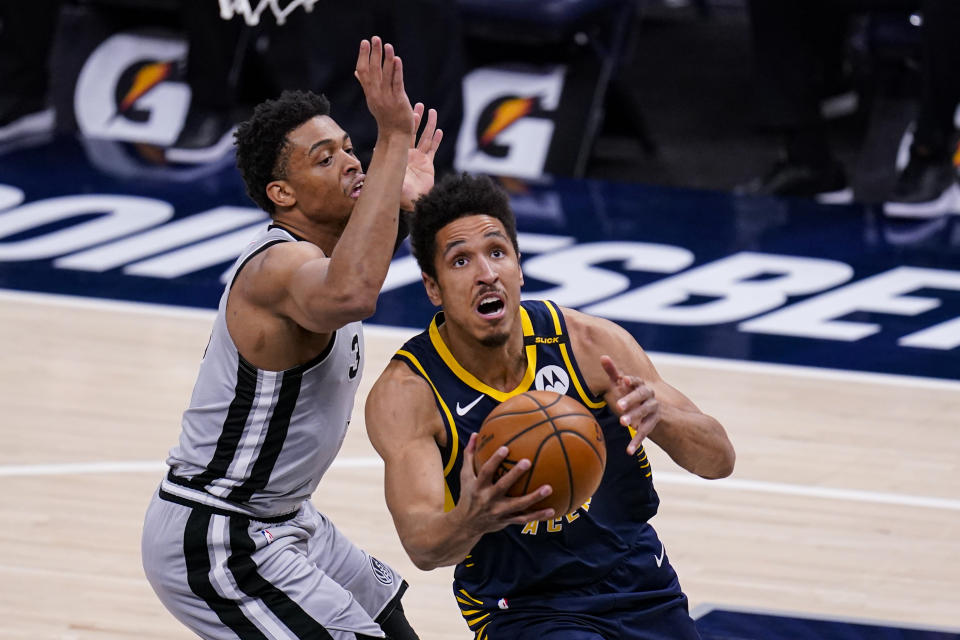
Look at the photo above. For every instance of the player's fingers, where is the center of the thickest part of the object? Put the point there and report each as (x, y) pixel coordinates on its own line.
(363, 60)
(637, 396)
(417, 116)
(468, 453)
(489, 468)
(426, 138)
(508, 479)
(634, 444)
(611, 368)
(639, 412)
(397, 78)
(376, 57)
(437, 137)
(533, 516)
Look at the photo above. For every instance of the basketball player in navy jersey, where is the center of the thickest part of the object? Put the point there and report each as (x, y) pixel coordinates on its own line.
(598, 572)
(232, 544)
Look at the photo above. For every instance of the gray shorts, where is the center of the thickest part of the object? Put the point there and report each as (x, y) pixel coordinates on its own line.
(228, 577)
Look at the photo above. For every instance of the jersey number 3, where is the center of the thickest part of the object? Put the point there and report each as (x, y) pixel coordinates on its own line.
(355, 348)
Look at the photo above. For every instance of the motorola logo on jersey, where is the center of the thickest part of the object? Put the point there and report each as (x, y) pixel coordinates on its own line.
(508, 120)
(552, 378)
(130, 89)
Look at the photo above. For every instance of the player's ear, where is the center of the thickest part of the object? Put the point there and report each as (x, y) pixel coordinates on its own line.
(281, 193)
(433, 289)
(520, 269)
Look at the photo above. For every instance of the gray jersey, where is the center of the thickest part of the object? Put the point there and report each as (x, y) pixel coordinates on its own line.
(257, 442)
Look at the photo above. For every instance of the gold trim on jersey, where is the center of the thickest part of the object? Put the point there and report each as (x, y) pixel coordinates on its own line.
(471, 380)
(569, 363)
(454, 439)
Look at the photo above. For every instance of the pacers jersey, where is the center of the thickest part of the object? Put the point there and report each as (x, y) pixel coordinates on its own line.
(554, 556)
(254, 441)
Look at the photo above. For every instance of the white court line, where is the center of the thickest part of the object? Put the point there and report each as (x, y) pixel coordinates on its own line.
(401, 333)
(663, 477)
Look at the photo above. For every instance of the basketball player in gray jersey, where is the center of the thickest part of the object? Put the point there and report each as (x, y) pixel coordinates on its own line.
(231, 543)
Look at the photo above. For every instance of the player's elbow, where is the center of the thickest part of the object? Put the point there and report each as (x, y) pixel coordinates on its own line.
(723, 464)
(423, 558)
(347, 306)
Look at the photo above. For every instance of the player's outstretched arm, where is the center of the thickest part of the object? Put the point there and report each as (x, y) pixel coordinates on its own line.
(322, 293)
(403, 424)
(617, 368)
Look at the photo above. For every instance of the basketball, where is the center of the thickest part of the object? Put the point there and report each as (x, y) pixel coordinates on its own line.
(559, 436)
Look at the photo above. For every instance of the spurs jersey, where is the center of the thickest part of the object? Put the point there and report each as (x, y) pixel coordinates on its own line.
(257, 442)
(532, 562)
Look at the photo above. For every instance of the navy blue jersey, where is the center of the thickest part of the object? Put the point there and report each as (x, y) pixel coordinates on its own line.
(556, 557)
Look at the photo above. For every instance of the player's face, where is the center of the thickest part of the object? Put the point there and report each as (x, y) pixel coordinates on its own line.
(478, 279)
(323, 171)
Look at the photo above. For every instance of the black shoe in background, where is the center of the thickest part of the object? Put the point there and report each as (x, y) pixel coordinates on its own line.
(827, 182)
(206, 137)
(926, 188)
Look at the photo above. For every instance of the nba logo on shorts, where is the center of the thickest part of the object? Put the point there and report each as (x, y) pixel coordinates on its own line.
(380, 570)
(266, 534)
(552, 378)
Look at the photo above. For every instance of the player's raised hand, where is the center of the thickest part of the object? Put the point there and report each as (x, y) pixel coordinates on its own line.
(483, 495)
(380, 73)
(630, 398)
(420, 171)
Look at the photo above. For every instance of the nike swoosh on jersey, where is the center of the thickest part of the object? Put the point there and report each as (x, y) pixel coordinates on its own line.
(462, 411)
(660, 559)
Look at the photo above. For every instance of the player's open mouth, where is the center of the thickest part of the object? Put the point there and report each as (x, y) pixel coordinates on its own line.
(355, 191)
(491, 305)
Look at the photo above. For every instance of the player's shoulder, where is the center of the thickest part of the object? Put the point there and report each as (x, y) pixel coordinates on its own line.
(267, 272)
(593, 331)
(399, 381)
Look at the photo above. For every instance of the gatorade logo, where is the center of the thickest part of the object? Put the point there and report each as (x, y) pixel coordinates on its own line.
(508, 120)
(129, 89)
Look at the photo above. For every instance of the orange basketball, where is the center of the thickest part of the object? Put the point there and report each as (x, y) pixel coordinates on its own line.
(561, 439)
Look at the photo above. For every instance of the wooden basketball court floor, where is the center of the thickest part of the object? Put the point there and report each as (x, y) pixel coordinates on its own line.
(845, 501)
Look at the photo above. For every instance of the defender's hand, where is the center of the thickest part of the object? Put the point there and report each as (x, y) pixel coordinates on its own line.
(380, 73)
(631, 399)
(420, 171)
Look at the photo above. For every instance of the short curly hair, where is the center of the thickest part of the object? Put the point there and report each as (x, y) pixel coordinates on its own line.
(456, 196)
(262, 145)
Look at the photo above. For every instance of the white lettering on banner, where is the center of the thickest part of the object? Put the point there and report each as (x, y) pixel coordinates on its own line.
(945, 335)
(526, 138)
(95, 97)
(882, 293)
(580, 283)
(211, 252)
(169, 236)
(732, 281)
(9, 196)
(121, 215)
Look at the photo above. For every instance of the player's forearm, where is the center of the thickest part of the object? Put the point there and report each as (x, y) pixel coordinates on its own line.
(362, 256)
(695, 441)
(439, 540)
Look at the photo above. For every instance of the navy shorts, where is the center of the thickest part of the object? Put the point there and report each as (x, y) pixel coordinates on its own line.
(618, 607)
(668, 622)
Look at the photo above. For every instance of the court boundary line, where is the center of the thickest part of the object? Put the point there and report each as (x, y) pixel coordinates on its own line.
(663, 477)
(676, 359)
(703, 609)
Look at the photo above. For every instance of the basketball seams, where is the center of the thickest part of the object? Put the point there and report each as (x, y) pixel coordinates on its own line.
(536, 446)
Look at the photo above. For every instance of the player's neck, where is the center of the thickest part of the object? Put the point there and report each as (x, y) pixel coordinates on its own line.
(322, 234)
(501, 367)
